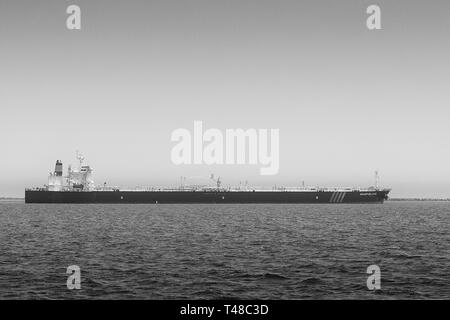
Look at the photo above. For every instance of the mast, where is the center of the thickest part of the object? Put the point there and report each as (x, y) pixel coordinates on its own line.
(376, 180)
(217, 181)
(80, 158)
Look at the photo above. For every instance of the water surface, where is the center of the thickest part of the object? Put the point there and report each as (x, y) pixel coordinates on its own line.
(297, 251)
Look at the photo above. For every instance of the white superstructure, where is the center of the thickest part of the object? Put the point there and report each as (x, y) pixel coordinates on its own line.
(76, 179)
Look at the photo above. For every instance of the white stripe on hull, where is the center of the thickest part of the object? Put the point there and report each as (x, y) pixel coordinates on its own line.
(337, 197)
(332, 196)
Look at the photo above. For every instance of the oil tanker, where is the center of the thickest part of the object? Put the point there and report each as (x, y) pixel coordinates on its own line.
(78, 187)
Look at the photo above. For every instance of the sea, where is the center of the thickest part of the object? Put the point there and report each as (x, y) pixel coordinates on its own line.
(252, 251)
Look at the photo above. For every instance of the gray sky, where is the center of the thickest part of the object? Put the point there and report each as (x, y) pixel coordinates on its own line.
(347, 100)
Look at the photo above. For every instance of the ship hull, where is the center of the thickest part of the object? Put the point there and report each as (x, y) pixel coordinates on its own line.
(128, 197)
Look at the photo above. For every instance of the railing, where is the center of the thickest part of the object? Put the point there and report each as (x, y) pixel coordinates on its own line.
(212, 189)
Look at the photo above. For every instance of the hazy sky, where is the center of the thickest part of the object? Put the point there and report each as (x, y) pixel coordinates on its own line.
(347, 101)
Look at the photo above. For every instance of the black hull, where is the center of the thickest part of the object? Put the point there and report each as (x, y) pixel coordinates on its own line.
(43, 196)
